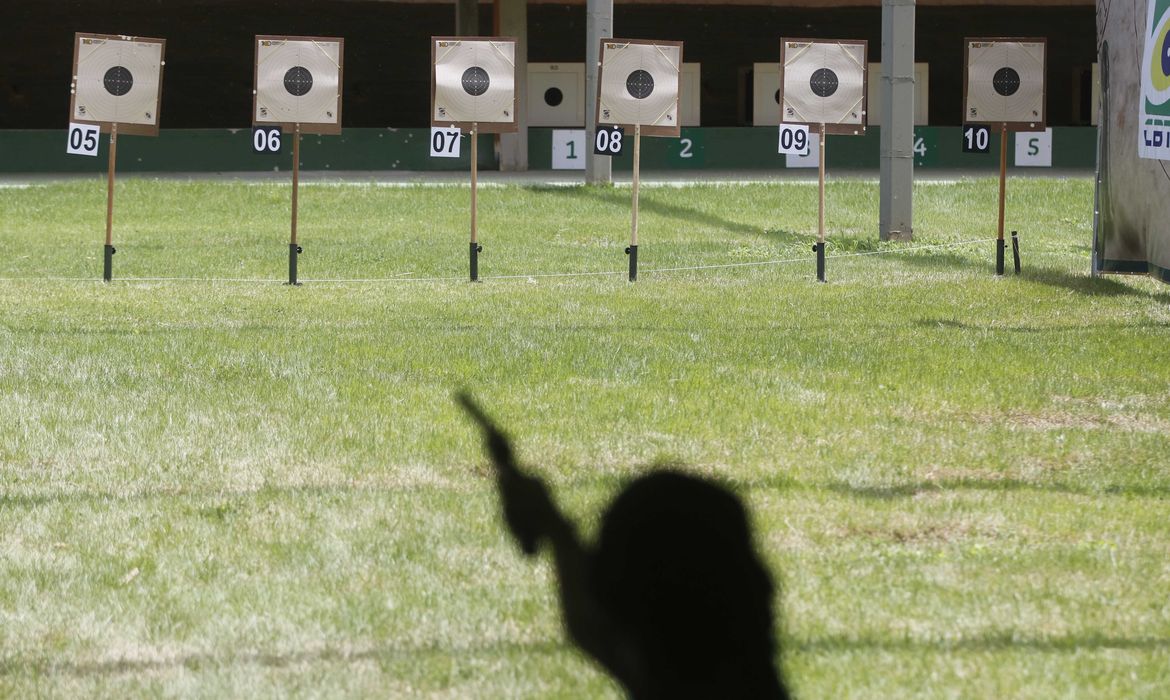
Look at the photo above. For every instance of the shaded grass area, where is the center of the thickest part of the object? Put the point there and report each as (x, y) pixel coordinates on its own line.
(227, 488)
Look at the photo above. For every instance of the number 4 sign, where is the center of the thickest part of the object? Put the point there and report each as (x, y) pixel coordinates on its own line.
(83, 139)
(445, 141)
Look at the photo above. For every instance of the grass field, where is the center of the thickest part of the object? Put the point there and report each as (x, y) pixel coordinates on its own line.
(227, 488)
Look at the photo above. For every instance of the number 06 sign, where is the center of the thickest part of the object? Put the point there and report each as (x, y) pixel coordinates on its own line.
(793, 139)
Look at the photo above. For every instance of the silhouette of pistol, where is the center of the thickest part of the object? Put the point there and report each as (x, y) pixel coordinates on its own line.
(517, 490)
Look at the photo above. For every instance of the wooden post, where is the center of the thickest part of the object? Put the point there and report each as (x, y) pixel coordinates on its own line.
(821, 190)
(108, 252)
(475, 247)
(821, 209)
(999, 244)
(632, 251)
(293, 249)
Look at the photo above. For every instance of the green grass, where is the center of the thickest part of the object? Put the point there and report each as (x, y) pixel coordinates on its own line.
(240, 488)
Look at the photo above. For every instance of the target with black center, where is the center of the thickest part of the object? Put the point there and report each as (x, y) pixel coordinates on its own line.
(473, 81)
(823, 82)
(298, 83)
(117, 80)
(556, 95)
(1004, 83)
(639, 85)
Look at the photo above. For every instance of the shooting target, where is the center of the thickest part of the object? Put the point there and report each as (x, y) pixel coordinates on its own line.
(298, 81)
(473, 81)
(639, 84)
(1005, 83)
(117, 80)
(556, 94)
(823, 82)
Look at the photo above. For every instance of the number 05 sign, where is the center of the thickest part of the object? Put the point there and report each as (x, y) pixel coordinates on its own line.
(83, 139)
(793, 139)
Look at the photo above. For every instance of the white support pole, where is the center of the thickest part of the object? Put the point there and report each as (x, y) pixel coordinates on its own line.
(897, 129)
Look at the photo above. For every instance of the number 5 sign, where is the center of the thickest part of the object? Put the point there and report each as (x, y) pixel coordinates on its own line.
(83, 139)
(1034, 148)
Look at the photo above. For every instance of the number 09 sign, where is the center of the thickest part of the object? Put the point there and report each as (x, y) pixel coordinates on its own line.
(793, 139)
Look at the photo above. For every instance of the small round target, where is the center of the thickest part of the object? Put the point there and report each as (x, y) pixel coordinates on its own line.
(553, 97)
(823, 82)
(476, 81)
(1006, 81)
(298, 81)
(639, 84)
(118, 81)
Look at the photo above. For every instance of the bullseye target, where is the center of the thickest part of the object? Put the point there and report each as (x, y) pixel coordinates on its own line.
(1004, 83)
(638, 84)
(823, 82)
(298, 82)
(473, 82)
(117, 80)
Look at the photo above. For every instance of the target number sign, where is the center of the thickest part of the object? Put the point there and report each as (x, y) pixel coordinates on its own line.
(445, 141)
(793, 139)
(266, 139)
(976, 139)
(83, 139)
(608, 141)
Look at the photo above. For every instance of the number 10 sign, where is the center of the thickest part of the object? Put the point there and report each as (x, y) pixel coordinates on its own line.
(793, 139)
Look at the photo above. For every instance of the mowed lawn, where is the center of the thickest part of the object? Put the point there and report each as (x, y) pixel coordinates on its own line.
(213, 484)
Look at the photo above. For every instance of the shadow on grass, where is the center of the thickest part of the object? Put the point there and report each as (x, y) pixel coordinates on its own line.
(12, 666)
(987, 642)
(1061, 328)
(621, 199)
(40, 666)
(911, 489)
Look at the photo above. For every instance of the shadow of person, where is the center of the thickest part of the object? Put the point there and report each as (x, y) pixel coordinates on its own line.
(672, 599)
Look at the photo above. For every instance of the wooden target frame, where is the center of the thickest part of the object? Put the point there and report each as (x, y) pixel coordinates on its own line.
(324, 128)
(1029, 125)
(647, 129)
(483, 127)
(109, 126)
(829, 127)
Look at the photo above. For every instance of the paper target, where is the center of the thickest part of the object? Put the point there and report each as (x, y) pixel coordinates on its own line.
(117, 80)
(298, 82)
(638, 84)
(823, 82)
(473, 82)
(1004, 85)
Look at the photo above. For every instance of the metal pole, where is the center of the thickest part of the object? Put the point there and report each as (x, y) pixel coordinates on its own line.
(897, 121)
(598, 26)
(108, 251)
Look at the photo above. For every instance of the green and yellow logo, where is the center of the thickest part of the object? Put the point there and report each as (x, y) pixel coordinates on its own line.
(1156, 66)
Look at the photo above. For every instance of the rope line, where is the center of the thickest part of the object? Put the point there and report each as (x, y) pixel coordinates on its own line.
(406, 276)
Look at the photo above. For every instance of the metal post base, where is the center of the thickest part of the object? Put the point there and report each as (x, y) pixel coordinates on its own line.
(819, 249)
(1016, 250)
(293, 251)
(999, 257)
(632, 251)
(476, 249)
(108, 264)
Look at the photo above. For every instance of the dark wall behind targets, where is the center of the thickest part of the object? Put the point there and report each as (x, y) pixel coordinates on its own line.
(208, 76)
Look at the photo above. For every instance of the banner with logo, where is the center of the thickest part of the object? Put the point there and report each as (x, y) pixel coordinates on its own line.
(1154, 114)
